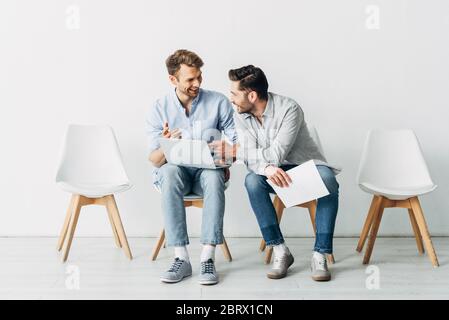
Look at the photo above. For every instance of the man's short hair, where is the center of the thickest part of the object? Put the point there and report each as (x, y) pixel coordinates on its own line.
(182, 56)
(251, 78)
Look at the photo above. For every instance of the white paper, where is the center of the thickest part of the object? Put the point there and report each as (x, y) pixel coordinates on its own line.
(306, 185)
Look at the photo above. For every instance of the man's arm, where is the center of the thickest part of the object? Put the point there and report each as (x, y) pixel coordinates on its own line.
(154, 128)
(157, 156)
(280, 147)
(226, 121)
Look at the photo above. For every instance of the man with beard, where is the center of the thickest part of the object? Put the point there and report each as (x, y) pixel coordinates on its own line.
(272, 138)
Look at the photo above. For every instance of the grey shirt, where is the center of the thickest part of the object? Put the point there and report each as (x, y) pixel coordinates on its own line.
(282, 138)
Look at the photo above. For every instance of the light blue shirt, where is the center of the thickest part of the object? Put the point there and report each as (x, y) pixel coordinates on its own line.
(210, 114)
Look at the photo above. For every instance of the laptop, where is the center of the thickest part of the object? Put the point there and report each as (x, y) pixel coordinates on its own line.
(189, 153)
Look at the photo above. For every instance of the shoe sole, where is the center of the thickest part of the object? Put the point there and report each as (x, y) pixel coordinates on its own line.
(280, 276)
(208, 282)
(324, 278)
(174, 281)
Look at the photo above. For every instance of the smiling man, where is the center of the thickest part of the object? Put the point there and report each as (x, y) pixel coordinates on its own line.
(272, 138)
(189, 112)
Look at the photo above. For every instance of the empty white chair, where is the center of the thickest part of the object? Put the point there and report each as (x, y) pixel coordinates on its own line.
(190, 200)
(91, 169)
(393, 170)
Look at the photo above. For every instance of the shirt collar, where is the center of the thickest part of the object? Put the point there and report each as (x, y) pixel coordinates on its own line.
(178, 103)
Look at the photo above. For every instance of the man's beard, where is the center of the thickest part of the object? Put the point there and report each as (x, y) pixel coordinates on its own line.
(244, 110)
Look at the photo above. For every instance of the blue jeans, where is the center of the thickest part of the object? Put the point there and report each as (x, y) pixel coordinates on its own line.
(178, 181)
(259, 195)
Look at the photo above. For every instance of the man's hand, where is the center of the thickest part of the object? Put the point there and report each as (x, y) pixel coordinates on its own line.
(157, 157)
(278, 176)
(223, 150)
(166, 133)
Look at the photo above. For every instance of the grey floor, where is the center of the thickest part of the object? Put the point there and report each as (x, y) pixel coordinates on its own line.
(31, 268)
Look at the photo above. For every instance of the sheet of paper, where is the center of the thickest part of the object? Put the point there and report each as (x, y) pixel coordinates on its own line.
(306, 185)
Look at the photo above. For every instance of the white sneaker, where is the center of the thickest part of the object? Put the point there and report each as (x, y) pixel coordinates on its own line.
(320, 272)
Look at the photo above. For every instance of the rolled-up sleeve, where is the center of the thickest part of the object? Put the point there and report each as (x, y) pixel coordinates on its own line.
(227, 120)
(153, 128)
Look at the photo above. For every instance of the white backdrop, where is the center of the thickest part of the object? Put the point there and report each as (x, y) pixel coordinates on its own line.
(351, 64)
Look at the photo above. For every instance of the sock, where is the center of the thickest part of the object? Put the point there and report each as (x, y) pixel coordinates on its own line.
(280, 250)
(181, 253)
(208, 252)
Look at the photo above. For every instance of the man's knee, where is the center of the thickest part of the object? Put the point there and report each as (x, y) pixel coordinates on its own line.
(329, 179)
(212, 178)
(254, 182)
(170, 173)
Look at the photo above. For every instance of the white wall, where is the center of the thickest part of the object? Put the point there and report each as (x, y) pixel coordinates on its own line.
(347, 77)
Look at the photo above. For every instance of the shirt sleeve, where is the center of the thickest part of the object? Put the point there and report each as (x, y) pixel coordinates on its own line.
(153, 128)
(280, 147)
(248, 151)
(257, 158)
(226, 121)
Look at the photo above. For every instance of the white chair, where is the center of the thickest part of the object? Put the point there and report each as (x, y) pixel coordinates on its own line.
(190, 200)
(394, 171)
(91, 169)
(310, 206)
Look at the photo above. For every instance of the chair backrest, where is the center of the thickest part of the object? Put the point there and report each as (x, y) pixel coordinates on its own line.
(393, 158)
(91, 156)
(316, 138)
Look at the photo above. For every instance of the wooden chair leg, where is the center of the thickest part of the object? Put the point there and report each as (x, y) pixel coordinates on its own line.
(416, 232)
(377, 217)
(65, 226)
(419, 216)
(368, 222)
(268, 254)
(312, 213)
(112, 206)
(157, 248)
(114, 228)
(262, 245)
(72, 226)
(279, 207)
(226, 252)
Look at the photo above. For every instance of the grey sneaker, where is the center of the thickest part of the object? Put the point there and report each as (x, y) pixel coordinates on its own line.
(320, 272)
(208, 274)
(280, 266)
(179, 270)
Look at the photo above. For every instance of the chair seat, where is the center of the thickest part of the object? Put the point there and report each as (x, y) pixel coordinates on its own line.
(397, 193)
(94, 190)
(192, 196)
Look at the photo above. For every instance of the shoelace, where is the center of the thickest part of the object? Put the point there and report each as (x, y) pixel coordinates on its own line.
(176, 265)
(207, 266)
(321, 259)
